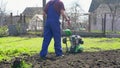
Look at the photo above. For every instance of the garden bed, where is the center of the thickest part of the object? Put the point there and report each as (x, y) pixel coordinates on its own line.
(102, 59)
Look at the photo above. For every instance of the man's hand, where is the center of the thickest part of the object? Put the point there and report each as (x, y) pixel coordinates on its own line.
(67, 19)
(68, 22)
(44, 15)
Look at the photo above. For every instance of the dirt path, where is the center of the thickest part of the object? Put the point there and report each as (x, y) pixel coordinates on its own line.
(105, 59)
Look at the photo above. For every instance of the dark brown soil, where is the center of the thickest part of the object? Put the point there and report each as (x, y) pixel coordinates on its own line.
(103, 59)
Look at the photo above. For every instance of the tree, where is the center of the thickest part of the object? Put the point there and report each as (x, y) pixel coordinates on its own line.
(2, 11)
(74, 13)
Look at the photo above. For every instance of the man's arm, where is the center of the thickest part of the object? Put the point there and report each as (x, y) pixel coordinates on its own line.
(44, 14)
(64, 15)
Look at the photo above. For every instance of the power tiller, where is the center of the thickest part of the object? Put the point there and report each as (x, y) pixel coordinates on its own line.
(75, 41)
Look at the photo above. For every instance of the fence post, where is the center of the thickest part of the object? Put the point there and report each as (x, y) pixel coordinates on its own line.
(24, 16)
(11, 18)
(104, 25)
(89, 26)
(22, 24)
(20, 18)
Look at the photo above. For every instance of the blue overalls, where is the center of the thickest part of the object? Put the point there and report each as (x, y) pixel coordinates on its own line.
(52, 29)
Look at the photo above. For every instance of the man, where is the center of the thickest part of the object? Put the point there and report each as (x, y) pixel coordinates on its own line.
(52, 12)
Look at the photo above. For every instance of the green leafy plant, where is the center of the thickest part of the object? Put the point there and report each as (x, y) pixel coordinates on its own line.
(21, 64)
(25, 65)
(3, 30)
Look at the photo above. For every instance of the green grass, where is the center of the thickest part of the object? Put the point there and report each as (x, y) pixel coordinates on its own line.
(15, 46)
(97, 44)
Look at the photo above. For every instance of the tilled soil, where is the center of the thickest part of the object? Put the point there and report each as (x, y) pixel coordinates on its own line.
(103, 59)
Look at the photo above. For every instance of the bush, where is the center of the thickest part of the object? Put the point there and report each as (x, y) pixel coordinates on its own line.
(18, 63)
(3, 31)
